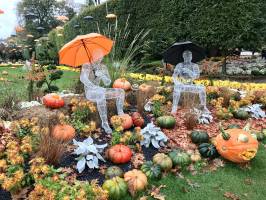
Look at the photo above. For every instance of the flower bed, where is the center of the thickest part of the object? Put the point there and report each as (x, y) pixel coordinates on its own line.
(38, 156)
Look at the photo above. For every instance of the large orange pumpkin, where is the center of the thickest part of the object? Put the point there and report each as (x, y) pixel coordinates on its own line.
(236, 145)
(63, 132)
(127, 121)
(122, 83)
(119, 154)
(136, 180)
(53, 100)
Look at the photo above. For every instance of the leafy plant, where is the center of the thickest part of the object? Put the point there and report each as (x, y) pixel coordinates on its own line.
(50, 78)
(153, 135)
(123, 53)
(89, 153)
(156, 109)
(116, 136)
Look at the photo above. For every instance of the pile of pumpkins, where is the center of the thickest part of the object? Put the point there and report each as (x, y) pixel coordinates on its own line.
(234, 144)
(118, 183)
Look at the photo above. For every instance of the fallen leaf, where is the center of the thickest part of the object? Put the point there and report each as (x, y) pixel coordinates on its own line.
(21, 195)
(137, 160)
(184, 190)
(232, 196)
(144, 198)
(102, 169)
(155, 192)
(248, 181)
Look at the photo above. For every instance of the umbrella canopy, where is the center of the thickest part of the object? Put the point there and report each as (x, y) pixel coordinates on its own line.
(85, 49)
(62, 18)
(174, 54)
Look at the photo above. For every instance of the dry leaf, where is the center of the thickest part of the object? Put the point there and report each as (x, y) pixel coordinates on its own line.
(232, 196)
(21, 195)
(144, 198)
(102, 169)
(67, 170)
(248, 181)
(191, 184)
(137, 160)
(155, 192)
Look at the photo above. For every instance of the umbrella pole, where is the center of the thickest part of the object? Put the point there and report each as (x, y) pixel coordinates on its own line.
(86, 49)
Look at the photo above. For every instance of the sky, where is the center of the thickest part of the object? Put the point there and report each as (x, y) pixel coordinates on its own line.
(8, 20)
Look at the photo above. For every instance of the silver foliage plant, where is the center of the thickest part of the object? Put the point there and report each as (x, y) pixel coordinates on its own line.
(204, 117)
(153, 135)
(255, 111)
(89, 154)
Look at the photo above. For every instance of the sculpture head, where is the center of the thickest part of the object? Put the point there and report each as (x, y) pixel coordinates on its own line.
(187, 55)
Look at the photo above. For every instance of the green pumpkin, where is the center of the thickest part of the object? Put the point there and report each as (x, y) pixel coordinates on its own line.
(198, 137)
(166, 122)
(113, 171)
(116, 188)
(231, 126)
(208, 150)
(179, 158)
(152, 171)
(241, 114)
(163, 160)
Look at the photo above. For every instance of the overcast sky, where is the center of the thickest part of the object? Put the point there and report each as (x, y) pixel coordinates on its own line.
(8, 20)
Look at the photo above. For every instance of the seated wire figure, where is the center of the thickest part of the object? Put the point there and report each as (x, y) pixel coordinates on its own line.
(183, 77)
(91, 76)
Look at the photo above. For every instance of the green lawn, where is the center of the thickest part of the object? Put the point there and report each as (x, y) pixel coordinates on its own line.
(247, 184)
(17, 84)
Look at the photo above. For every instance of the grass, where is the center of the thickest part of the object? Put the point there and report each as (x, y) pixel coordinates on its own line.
(247, 184)
(18, 85)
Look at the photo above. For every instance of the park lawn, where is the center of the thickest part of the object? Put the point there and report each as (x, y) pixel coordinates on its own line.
(18, 85)
(246, 183)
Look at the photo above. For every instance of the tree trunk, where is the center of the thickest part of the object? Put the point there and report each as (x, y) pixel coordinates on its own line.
(224, 65)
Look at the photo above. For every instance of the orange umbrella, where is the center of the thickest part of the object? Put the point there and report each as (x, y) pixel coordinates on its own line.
(85, 49)
(1, 11)
(62, 18)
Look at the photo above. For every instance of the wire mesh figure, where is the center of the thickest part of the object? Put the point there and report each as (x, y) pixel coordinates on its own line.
(91, 76)
(183, 77)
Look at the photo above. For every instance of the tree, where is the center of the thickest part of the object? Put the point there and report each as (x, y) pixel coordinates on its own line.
(42, 13)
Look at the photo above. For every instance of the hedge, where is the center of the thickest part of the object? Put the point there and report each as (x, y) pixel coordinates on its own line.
(219, 25)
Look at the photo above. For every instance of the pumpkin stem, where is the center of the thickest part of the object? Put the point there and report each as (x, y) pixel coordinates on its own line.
(226, 136)
(247, 127)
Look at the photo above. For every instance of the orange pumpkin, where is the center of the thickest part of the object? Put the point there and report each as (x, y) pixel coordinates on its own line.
(53, 100)
(145, 88)
(137, 119)
(136, 180)
(119, 154)
(127, 121)
(63, 132)
(236, 145)
(122, 83)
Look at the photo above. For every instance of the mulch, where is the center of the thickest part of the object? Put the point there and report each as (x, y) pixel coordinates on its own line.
(179, 136)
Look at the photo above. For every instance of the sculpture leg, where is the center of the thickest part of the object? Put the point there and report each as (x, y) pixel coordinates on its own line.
(102, 109)
(176, 97)
(202, 96)
(119, 96)
(120, 102)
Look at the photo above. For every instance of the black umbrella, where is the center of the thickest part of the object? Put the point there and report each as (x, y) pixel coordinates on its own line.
(174, 54)
(88, 18)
